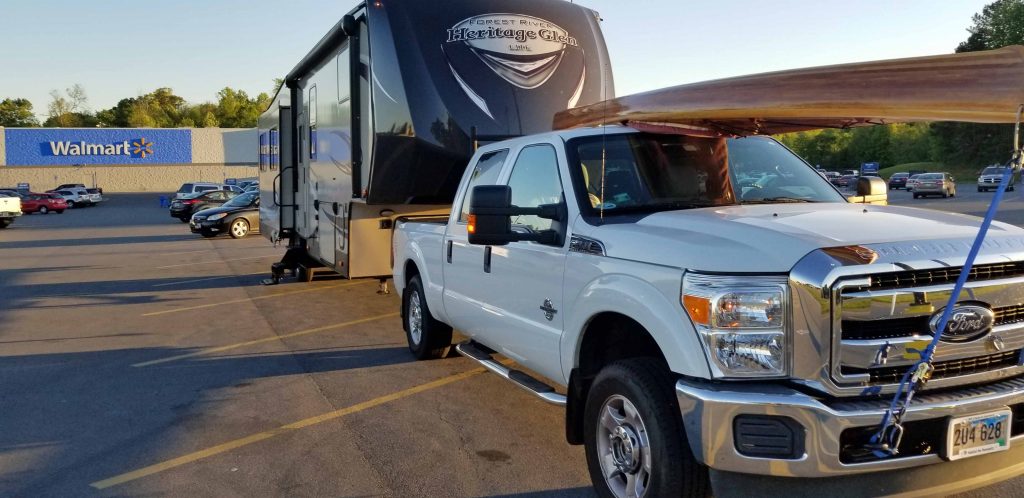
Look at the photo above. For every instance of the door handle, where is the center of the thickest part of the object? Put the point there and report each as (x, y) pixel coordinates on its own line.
(449, 250)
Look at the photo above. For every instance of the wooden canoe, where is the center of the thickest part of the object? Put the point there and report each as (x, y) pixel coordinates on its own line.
(979, 87)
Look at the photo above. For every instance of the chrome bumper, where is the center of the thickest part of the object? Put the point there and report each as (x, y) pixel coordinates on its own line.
(708, 411)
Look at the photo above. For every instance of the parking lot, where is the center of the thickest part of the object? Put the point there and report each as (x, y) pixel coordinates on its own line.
(139, 359)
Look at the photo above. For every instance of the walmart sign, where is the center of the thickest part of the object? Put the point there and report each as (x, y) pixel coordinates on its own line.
(71, 146)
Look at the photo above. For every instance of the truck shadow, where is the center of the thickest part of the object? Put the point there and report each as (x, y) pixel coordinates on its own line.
(62, 432)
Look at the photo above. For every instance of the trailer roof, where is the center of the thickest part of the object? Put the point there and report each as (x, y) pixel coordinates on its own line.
(980, 87)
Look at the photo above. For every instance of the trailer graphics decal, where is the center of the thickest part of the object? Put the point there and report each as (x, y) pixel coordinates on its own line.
(522, 49)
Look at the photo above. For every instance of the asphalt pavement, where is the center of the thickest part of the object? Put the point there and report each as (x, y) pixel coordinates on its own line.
(137, 359)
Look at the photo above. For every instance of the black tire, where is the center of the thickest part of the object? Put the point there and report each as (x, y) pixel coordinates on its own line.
(980, 189)
(208, 235)
(71, 204)
(43, 210)
(1010, 188)
(60, 211)
(5, 223)
(184, 220)
(917, 196)
(435, 338)
(648, 386)
(239, 223)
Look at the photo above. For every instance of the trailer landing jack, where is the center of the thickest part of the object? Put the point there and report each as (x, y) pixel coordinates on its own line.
(290, 262)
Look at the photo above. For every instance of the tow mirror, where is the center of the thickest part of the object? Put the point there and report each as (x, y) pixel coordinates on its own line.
(490, 222)
(871, 190)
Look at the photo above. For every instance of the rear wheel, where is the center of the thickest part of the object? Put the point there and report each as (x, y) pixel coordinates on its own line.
(71, 204)
(634, 438)
(4, 223)
(239, 228)
(43, 210)
(427, 337)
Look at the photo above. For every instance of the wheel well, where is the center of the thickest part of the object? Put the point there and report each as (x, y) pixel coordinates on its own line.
(411, 270)
(607, 338)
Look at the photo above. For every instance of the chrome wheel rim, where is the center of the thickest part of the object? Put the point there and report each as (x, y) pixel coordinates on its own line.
(43, 210)
(623, 448)
(239, 229)
(415, 318)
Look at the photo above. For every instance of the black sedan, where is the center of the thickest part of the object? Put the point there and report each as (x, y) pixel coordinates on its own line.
(237, 217)
(183, 209)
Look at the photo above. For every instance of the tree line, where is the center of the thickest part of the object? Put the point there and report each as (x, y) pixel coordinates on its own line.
(999, 24)
(160, 108)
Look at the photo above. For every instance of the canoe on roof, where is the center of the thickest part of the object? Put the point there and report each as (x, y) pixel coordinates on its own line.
(978, 87)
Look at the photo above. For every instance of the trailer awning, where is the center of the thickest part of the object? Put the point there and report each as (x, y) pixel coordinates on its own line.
(978, 87)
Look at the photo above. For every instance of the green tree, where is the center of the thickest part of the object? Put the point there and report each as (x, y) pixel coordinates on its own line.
(210, 121)
(17, 113)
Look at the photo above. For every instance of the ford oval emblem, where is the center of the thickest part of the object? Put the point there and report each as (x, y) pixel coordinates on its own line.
(966, 323)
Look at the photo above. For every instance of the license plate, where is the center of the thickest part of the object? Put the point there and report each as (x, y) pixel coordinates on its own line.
(975, 435)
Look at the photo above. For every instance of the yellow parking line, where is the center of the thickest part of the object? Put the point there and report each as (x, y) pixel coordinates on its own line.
(257, 298)
(267, 339)
(255, 438)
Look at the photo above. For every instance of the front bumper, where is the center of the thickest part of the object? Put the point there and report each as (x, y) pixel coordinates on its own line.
(709, 410)
(206, 226)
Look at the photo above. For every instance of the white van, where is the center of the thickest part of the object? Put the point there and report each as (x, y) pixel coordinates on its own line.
(188, 189)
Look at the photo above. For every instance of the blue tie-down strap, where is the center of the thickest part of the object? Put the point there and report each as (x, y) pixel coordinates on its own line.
(886, 441)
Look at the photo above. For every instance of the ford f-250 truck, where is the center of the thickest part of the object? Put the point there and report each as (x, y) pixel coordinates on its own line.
(714, 304)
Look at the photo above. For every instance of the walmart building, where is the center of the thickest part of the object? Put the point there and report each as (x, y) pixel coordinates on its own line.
(125, 159)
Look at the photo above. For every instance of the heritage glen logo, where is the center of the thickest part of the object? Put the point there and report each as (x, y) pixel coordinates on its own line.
(513, 27)
(140, 148)
(522, 49)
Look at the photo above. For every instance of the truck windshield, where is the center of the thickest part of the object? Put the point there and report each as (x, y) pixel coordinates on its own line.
(654, 172)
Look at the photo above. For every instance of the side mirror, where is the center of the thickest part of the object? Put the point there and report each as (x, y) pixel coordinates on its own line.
(871, 185)
(490, 217)
(490, 211)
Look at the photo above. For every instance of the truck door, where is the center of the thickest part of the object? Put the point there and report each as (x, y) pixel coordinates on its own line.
(524, 282)
(464, 263)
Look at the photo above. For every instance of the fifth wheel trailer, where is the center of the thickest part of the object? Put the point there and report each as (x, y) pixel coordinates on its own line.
(379, 120)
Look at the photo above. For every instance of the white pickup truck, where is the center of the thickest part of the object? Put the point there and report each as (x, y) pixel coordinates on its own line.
(10, 208)
(712, 312)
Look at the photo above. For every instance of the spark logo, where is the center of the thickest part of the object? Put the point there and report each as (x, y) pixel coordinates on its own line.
(142, 148)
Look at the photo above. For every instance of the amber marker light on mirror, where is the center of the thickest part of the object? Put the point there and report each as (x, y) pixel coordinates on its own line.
(471, 223)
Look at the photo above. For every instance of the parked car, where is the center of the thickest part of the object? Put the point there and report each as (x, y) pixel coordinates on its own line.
(10, 192)
(95, 195)
(238, 217)
(935, 184)
(43, 203)
(898, 180)
(991, 177)
(10, 208)
(183, 209)
(66, 186)
(188, 189)
(76, 197)
(846, 181)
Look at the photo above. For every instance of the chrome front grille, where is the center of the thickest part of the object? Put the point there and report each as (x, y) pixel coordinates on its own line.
(943, 369)
(938, 276)
(881, 325)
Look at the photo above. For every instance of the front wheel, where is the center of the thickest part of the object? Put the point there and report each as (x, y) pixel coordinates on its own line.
(427, 337)
(43, 210)
(239, 228)
(916, 196)
(633, 435)
(71, 204)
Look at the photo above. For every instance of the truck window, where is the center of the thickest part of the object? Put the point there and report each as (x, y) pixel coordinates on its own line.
(535, 181)
(484, 173)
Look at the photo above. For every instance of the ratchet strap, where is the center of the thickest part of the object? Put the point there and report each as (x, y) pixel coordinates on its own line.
(886, 442)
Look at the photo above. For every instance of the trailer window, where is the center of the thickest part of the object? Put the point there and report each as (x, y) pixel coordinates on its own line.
(484, 173)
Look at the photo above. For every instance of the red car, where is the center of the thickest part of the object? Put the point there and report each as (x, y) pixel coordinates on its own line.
(43, 203)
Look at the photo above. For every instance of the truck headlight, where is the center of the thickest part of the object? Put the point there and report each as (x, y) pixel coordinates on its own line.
(741, 321)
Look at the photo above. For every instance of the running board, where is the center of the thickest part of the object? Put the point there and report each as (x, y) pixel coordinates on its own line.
(519, 378)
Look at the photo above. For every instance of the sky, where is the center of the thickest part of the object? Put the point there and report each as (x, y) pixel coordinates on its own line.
(119, 48)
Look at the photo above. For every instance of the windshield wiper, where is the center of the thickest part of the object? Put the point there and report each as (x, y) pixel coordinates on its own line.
(772, 200)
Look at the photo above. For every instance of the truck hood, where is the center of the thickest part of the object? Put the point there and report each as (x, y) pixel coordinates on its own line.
(772, 238)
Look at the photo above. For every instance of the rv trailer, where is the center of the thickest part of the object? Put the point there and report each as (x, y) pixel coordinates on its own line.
(379, 120)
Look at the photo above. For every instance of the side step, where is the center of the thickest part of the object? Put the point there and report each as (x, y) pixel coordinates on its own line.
(537, 388)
